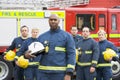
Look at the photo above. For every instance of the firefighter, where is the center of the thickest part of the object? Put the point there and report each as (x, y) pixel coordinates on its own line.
(58, 61)
(16, 44)
(74, 32)
(76, 38)
(31, 71)
(104, 71)
(88, 54)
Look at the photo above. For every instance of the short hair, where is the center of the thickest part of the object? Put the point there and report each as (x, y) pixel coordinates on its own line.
(73, 26)
(85, 27)
(101, 31)
(24, 27)
(35, 28)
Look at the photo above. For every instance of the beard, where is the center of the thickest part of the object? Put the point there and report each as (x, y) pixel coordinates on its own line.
(53, 27)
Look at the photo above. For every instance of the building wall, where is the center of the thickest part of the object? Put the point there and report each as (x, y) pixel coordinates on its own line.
(102, 3)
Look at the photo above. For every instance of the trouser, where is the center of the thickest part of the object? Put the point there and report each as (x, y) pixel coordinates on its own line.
(73, 77)
(31, 73)
(18, 73)
(83, 73)
(104, 73)
(51, 76)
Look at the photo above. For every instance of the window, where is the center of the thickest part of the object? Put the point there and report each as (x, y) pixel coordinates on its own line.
(113, 21)
(101, 21)
(87, 20)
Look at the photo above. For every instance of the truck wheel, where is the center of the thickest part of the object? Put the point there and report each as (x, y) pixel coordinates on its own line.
(116, 70)
(6, 69)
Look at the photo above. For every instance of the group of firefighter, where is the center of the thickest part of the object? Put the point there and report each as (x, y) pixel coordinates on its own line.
(58, 55)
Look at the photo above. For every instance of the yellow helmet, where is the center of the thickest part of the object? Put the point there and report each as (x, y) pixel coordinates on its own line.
(108, 54)
(10, 55)
(22, 62)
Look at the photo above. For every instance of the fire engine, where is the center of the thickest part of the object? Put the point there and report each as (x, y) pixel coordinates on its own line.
(96, 17)
(11, 21)
(96, 14)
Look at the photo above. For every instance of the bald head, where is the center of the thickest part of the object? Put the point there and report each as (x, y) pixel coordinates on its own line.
(54, 16)
(54, 21)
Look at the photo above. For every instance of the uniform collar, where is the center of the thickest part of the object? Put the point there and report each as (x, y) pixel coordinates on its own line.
(33, 38)
(54, 31)
(102, 41)
(24, 37)
(86, 39)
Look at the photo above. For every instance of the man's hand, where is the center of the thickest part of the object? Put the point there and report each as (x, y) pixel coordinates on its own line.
(29, 55)
(16, 62)
(92, 69)
(4, 58)
(67, 77)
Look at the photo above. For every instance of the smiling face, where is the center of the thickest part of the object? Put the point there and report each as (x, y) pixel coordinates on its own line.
(53, 22)
(35, 33)
(101, 35)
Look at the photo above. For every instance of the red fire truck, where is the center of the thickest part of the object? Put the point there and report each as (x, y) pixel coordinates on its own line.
(97, 18)
(97, 14)
(11, 21)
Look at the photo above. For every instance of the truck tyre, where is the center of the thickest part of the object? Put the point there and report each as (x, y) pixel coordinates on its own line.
(6, 69)
(116, 70)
